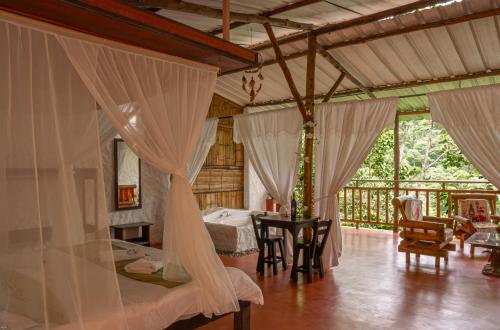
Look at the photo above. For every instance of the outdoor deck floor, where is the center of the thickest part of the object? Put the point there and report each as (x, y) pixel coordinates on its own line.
(373, 289)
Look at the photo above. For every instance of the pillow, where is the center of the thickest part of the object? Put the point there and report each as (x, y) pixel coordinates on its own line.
(413, 209)
(476, 210)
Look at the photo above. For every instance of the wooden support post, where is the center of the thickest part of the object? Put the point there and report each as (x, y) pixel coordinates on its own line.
(286, 71)
(226, 19)
(309, 129)
(396, 171)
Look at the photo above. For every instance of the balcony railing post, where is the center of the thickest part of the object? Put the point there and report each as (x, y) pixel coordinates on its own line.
(396, 172)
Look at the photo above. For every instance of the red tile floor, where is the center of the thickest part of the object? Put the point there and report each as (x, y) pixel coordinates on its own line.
(373, 289)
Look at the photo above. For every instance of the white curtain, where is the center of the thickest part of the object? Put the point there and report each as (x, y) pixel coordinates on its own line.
(346, 132)
(272, 141)
(56, 264)
(472, 118)
(206, 141)
(170, 100)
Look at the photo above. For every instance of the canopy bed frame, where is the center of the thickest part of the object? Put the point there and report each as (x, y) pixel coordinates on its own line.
(63, 70)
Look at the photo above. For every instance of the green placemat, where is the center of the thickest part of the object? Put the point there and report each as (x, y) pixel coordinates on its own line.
(155, 278)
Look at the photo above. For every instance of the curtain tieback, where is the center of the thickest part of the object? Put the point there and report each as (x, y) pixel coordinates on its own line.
(181, 173)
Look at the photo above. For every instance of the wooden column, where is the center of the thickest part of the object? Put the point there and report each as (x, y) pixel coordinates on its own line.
(396, 171)
(309, 129)
(226, 19)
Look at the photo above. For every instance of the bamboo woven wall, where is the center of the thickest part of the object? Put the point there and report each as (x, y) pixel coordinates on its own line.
(220, 182)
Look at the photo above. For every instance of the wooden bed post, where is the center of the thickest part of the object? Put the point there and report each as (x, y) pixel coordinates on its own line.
(309, 126)
(226, 19)
(396, 171)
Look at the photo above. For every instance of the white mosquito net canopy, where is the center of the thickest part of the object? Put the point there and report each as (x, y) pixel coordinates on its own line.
(56, 259)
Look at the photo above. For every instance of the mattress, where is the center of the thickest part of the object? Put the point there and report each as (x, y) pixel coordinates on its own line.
(148, 306)
(231, 229)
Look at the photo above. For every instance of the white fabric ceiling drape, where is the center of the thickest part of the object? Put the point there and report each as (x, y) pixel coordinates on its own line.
(345, 132)
(56, 264)
(206, 141)
(272, 141)
(472, 118)
(170, 101)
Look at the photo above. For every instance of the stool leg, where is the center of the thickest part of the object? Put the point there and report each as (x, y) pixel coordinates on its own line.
(269, 252)
(308, 264)
(407, 258)
(472, 251)
(275, 261)
(296, 253)
(438, 259)
(283, 256)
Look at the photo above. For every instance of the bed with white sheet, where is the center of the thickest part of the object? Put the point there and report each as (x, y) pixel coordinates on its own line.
(231, 229)
(146, 306)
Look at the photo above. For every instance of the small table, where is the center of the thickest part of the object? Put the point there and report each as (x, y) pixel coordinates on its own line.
(120, 232)
(490, 241)
(293, 226)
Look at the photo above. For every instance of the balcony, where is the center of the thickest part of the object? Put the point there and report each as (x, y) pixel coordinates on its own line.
(367, 203)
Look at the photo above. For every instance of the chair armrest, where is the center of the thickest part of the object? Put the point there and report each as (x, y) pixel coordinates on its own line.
(446, 221)
(495, 219)
(428, 225)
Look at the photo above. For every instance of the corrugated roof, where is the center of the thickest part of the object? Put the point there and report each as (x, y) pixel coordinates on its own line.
(424, 55)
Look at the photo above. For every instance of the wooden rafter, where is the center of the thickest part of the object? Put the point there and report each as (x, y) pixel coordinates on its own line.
(286, 71)
(419, 27)
(276, 11)
(226, 19)
(357, 91)
(354, 22)
(192, 8)
(341, 68)
(332, 90)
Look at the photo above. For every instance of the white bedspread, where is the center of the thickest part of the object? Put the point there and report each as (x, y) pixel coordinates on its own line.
(150, 306)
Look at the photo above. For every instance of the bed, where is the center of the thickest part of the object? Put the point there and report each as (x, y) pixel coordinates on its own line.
(150, 306)
(231, 229)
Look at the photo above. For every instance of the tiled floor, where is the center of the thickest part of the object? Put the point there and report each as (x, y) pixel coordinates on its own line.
(372, 289)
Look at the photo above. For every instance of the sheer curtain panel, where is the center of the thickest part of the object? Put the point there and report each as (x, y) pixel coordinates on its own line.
(205, 142)
(346, 132)
(472, 118)
(272, 141)
(56, 267)
(170, 99)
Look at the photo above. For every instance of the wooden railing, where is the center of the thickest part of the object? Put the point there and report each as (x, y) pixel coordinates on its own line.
(368, 202)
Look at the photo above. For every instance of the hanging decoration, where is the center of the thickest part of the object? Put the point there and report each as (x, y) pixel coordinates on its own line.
(250, 86)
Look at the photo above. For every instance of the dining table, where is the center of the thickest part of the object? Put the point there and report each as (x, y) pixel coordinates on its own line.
(294, 226)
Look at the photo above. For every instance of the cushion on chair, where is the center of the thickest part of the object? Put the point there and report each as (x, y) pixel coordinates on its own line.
(413, 209)
(476, 210)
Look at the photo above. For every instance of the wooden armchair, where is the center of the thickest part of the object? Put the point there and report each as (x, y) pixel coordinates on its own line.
(430, 236)
(465, 227)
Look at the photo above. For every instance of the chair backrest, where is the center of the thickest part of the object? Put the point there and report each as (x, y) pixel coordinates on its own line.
(256, 228)
(409, 207)
(321, 232)
(458, 198)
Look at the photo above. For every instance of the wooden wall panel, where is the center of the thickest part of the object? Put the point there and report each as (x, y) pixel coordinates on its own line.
(220, 182)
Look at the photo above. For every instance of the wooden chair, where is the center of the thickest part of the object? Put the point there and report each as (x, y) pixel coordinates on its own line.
(464, 228)
(269, 241)
(430, 236)
(312, 251)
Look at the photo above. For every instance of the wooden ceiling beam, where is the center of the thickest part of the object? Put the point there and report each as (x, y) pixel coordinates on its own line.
(353, 22)
(201, 10)
(276, 11)
(332, 90)
(286, 71)
(323, 52)
(357, 91)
